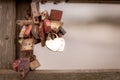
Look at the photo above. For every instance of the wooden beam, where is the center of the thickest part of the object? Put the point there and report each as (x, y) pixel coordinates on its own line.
(7, 33)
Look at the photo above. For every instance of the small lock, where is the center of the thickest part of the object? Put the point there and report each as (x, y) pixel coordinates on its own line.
(23, 68)
(44, 15)
(28, 30)
(34, 64)
(35, 8)
(62, 31)
(27, 44)
(35, 32)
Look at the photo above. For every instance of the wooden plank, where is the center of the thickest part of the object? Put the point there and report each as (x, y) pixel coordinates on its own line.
(7, 33)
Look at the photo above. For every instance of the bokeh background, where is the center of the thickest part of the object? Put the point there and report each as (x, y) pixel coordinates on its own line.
(92, 39)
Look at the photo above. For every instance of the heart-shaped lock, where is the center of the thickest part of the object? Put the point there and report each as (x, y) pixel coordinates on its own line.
(62, 45)
(54, 44)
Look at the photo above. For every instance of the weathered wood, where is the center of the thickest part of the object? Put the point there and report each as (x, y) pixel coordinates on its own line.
(63, 75)
(7, 33)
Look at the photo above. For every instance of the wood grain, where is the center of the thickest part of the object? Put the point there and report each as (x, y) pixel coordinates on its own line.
(7, 33)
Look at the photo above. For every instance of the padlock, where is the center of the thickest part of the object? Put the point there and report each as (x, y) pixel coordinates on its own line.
(56, 43)
(44, 15)
(47, 26)
(35, 9)
(27, 44)
(23, 22)
(28, 30)
(23, 68)
(35, 31)
(56, 14)
(21, 34)
(55, 25)
(42, 34)
(62, 30)
(15, 65)
(35, 12)
(34, 64)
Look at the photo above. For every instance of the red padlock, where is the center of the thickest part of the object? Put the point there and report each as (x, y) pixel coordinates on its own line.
(15, 65)
(47, 26)
(27, 31)
(56, 14)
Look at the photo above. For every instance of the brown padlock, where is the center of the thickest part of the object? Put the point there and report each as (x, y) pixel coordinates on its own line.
(34, 64)
(35, 31)
(44, 15)
(55, 25)
(27, 44)
(35, 9)
(35, 12)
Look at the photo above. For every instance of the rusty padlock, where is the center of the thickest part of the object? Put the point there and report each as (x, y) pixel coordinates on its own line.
(28, 30)
(55, 25)
(34, 64)
(35, 9)
(47, 26)
(35, 31)
(44, 15)
(27, 44)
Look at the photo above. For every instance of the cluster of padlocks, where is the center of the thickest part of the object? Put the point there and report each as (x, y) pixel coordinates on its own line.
(38, 27)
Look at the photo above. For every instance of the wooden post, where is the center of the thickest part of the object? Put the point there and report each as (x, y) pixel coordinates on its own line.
(7, 33)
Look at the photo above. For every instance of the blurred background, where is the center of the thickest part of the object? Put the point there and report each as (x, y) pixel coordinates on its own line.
(92, 39)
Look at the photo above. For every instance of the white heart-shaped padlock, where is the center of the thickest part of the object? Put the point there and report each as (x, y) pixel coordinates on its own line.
(54, 44)
(61, 48)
